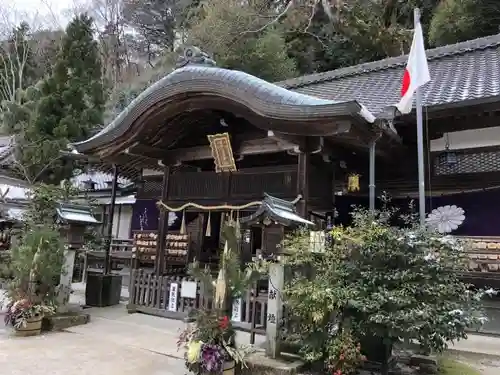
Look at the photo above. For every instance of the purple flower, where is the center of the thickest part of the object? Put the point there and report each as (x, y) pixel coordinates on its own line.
(212, 358)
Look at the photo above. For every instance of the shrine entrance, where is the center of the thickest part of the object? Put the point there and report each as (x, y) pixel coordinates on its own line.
(206, 144)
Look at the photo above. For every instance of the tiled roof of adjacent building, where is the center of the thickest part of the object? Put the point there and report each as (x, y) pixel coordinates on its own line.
(462, 71)
(6, 148)
(102, 181)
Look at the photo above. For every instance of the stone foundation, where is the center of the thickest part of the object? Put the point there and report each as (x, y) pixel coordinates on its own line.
(62, 321)
(259, 364)
(412, 364)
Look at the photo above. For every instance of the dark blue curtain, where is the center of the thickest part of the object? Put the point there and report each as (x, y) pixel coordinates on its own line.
(482, 210)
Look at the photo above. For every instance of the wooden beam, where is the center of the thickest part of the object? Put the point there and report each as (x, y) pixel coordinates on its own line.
(314, 145)
(437, 128)
(250, 147)
(303, 170)
(287, 140)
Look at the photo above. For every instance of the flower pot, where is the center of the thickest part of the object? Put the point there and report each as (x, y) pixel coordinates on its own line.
(33, 327)
(228, 368)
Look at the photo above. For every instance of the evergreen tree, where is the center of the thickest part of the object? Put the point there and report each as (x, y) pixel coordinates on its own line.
(65, 107)
(471, 19)
(238, 39)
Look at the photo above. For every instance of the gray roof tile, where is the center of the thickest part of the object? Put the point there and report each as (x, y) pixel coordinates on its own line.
(6, 149)
(100, 179)
(462, 71)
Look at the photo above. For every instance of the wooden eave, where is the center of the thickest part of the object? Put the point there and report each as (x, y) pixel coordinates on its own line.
(150, 119)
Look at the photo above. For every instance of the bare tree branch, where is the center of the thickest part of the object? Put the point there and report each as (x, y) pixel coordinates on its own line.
(25, 170)
(16, 46)
(274, 20)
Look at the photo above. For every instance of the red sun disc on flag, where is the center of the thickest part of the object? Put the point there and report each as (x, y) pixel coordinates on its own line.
(406, 82)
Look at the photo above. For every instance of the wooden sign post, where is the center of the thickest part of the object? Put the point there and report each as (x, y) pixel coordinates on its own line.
(172, 299)
(236, 310)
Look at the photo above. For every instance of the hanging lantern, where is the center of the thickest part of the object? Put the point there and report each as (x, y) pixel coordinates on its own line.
(448, 157)
(353, 183)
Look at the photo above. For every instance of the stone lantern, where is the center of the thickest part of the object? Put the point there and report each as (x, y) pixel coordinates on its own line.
(75, 220)
(275, 217)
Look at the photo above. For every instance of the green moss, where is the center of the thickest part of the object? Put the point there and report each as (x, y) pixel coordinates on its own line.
(450, 367)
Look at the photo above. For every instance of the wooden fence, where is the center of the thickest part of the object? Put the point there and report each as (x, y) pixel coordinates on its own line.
(174, 297)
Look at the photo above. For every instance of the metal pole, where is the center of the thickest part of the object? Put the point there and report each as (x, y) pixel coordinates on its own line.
(420, 143)
(371, 185)
(107, 257)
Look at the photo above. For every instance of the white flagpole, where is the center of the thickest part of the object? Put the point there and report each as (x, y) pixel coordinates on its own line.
(420, 143)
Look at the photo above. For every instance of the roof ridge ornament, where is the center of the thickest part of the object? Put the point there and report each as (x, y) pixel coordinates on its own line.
(192, 55)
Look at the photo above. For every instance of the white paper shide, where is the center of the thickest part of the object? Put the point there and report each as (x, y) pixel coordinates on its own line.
(446, 219)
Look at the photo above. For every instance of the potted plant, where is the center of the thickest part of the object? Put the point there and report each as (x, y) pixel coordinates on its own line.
(36, 262)
(25, 316)
(210, 346)
(209, 341)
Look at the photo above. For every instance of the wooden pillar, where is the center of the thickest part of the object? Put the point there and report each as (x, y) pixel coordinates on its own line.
(162, 226)
(119, 219)
(107, 256)
(303, 167)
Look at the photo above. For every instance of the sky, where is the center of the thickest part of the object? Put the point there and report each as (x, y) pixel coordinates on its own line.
(50, 12)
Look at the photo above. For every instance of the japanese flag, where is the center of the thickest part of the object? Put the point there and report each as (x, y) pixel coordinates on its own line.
(416, 72)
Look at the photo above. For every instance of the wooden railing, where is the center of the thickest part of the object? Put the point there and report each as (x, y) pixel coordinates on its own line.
(280, 181)
(164, 296)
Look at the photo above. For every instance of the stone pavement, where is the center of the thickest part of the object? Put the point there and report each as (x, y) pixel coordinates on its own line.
(115, 342)
(478, 344)
(146, 332)
(65, 353)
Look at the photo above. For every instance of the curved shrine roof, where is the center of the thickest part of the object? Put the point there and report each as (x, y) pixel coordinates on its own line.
(262, 98)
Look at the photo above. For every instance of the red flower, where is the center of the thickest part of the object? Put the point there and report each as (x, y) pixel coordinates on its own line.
(341, 357)
(224, 322)
(338, 372)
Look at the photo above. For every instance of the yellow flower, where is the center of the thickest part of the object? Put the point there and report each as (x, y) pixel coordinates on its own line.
(193, 352)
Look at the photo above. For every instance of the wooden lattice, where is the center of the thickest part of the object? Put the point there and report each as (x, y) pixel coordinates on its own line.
(474, 162)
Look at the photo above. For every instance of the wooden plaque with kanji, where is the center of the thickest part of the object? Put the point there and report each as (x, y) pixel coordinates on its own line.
(222, 152)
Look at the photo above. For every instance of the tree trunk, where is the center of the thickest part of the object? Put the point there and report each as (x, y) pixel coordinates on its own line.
(387, 356)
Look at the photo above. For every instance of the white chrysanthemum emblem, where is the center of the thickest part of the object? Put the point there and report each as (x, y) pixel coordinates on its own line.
(446, 218)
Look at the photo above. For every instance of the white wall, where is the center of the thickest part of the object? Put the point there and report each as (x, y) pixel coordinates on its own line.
(485, 137)
(122, 221)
